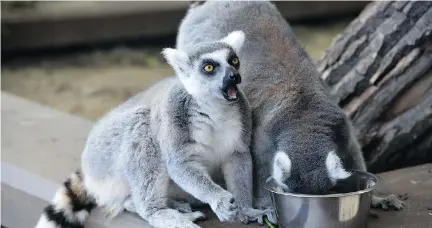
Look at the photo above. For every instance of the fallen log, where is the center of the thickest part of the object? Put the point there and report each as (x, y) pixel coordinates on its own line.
(379, 71)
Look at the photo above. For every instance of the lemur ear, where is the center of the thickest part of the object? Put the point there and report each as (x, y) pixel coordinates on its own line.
(335, 168)
(176, 58)
(235, 40)
(281, 167)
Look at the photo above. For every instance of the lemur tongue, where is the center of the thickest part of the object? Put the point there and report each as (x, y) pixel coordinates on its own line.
(232, 93)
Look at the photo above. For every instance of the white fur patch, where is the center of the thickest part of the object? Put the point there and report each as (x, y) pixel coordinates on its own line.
(335, 168)
(220, 135)
(119, 190)
(219, 55)
(235, 39)
(81, 216)
(61, 199)
(194, 85)
(281, 168)
(62, 202)
(45, 223)
(175, 58)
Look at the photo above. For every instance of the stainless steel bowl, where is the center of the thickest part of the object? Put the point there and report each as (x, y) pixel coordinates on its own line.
(349, 208)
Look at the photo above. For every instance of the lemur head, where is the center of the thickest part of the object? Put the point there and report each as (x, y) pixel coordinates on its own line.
(315, 175)
(210, 69)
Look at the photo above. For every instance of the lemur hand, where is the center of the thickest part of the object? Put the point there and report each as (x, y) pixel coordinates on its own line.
(248, 215)
(225, 208)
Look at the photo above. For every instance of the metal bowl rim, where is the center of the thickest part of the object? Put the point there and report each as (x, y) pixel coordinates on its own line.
(378, 181)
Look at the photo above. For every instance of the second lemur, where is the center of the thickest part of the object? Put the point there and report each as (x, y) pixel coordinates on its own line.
(300, 137)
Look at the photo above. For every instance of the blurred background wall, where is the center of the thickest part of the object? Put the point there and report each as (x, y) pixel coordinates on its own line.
(86, 57)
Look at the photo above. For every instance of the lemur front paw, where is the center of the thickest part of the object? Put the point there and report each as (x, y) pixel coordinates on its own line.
(249, 215)
(265, 204)
(387, 202)
(225, 208)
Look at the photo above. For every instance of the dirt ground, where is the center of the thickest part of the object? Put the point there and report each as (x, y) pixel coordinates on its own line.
(90, 84)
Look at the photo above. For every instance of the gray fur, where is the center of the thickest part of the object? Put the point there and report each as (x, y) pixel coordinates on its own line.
(178, 143)
(291, 109)
(147, 151)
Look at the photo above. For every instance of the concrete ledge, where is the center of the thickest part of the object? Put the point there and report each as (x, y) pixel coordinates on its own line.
(40, 139)
(42, 146)
(25, 195)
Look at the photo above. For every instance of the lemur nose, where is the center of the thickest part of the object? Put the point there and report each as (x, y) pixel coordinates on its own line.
(235, 77)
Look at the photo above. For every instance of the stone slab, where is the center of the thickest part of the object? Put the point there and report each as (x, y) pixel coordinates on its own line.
(416, 183)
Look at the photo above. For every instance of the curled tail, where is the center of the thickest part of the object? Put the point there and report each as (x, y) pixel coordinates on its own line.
(70, 207)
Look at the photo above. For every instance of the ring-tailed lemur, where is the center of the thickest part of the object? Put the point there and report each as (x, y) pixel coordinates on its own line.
(170, 143)
(300, 136)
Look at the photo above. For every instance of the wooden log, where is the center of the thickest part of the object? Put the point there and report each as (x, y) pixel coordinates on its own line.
(379, 70)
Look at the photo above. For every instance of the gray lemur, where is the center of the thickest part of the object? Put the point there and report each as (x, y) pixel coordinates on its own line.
(168, 147)
(300, 136)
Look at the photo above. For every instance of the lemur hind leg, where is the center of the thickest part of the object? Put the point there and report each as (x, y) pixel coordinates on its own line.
(149, 200)
(185, 208)
(148, 179)
(386, 202)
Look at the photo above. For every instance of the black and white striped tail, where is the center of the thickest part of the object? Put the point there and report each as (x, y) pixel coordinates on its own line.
(71, 205)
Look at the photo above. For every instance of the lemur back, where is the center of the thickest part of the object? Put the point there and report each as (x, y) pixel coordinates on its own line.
(300, 136)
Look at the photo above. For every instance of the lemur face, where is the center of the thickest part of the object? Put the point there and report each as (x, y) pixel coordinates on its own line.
(218, 71)
(315, 176)
(210, 69)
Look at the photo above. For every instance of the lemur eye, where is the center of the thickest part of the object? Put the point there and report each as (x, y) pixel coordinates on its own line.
(235, 61)
(208, 68)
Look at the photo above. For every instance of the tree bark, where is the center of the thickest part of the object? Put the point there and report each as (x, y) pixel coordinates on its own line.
(379, 70)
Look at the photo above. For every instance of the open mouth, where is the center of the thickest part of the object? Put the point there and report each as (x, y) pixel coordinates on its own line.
(230, 92)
